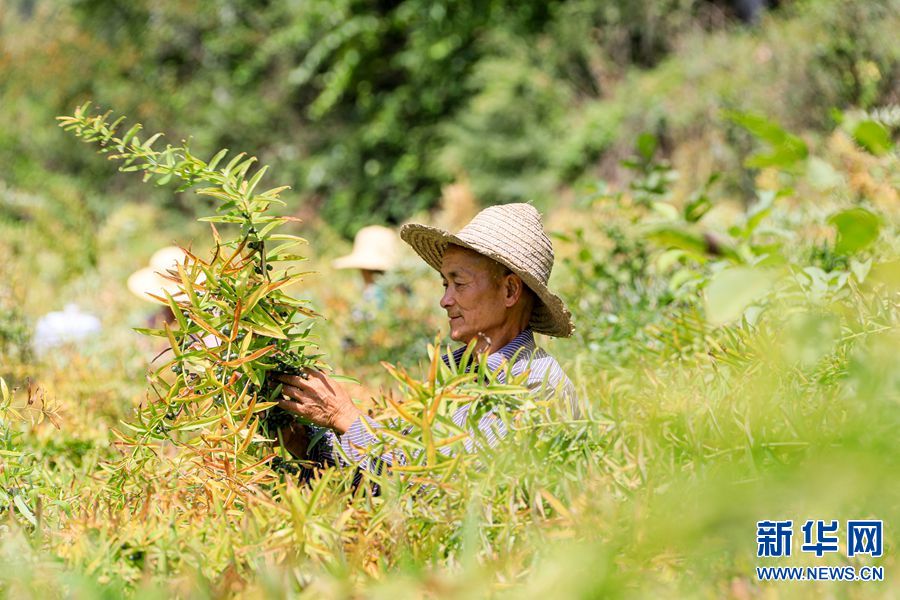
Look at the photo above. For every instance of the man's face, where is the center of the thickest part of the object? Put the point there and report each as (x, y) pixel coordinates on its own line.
(473, 296)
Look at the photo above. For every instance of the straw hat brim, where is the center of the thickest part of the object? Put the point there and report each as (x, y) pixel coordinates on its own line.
(357, 261)
(549, 316)
(146, 281)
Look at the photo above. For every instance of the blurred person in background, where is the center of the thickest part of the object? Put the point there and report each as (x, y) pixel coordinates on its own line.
(152, 282)
(68, 326)
(495, 273)
(374, 254)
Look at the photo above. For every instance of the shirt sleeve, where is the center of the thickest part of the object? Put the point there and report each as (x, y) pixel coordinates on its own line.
(357, 440)
(328, 449)
(548, 381)
(363, 434)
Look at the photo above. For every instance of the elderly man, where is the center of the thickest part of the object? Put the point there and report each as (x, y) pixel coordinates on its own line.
(495, 273)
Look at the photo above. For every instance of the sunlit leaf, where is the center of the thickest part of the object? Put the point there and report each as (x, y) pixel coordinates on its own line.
(786, 150)
(874, 137)
(732, 290)
(24, 510)
(856, 228)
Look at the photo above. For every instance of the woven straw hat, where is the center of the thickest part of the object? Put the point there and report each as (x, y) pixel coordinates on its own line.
(150, 280)
(512, 235)
(374, 249)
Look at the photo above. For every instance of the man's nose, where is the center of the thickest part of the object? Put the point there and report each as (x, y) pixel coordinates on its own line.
(447, 298)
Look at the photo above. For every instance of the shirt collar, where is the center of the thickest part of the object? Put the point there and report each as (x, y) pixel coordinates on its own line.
(521, 346)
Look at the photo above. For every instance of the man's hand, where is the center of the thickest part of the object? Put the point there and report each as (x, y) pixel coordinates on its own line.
(318, 399)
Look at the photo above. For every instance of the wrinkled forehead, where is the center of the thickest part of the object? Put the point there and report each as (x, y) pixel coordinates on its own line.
(458, 259)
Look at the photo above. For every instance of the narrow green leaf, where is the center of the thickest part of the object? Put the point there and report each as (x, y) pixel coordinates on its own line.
(251, 185)
(24, 510)
(214, 161)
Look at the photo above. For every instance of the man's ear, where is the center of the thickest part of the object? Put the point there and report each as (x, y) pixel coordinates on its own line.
(513, 289)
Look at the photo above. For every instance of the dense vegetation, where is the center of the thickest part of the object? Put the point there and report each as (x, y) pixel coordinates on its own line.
(724, 205)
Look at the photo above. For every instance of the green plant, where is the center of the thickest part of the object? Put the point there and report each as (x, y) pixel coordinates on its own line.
(20, 473)
(431, 443)
(234, 321)
(15, 334)
(12, 470)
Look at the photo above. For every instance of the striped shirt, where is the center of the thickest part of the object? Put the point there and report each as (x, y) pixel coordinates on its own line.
(545, 378)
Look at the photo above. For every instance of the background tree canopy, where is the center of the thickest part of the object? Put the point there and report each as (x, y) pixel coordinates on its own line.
(368, 108)
(347, 97)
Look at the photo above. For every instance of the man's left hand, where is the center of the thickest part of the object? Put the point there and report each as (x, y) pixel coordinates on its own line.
(318, 399)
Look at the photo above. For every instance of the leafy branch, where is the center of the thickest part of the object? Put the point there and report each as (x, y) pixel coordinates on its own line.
(234, 321)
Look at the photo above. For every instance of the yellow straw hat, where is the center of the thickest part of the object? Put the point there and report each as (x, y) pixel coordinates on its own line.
(511, 234)
(374, 249)
(151, 280)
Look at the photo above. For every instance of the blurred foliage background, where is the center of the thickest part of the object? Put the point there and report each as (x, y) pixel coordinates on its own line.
(721, 181)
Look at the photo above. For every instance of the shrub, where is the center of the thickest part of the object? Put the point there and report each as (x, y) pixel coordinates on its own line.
(234, 321)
